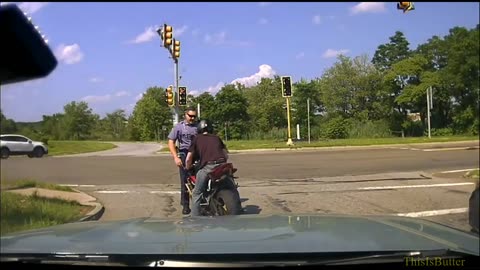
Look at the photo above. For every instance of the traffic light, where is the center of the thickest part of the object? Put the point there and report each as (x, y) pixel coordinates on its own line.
(182, 95)
(167, 35)
(286, 86)
(169, 96)
(176, 49)
(405, 6)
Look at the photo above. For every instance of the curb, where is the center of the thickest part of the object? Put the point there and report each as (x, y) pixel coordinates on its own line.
(349, 147)
(96, 213)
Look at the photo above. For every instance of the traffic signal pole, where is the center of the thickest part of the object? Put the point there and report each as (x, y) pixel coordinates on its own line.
(176, 108)
(289, 141)
(287, 94)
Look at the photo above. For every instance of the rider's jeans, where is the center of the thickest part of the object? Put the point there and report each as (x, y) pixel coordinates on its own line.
(201, 183)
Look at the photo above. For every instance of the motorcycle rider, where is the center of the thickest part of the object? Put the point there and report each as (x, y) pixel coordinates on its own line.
(211, 152)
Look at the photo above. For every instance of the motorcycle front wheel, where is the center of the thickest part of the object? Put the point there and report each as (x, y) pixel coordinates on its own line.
(227, 203)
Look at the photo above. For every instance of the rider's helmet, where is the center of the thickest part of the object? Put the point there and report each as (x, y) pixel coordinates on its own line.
(204, 126)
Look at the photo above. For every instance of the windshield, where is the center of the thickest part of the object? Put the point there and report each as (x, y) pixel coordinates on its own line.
(242, 127)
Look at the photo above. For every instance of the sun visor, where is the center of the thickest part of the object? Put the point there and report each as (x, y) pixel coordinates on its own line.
(25, 54)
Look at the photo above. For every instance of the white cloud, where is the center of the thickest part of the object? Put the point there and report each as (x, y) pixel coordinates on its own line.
(122, 94)
(316, 19)
(221, 39)
(95, 80)
(150, 33)
(146, 36)
(333, 53)
(179, 31)
(97, 99)
(264, 4)
(263, 21)
(139, 96)
(365, 7)
(104, 98)
(214, 89)
(32, 7)
(129, 108)
(265, 71)
(69, 54)
(194, 93)
(300, 55)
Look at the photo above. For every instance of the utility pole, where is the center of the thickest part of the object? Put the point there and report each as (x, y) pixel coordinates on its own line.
(198, 110)
(429, 107)
(308, 118)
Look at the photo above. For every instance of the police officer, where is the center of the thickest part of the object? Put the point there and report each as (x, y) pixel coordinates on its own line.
(183, 132)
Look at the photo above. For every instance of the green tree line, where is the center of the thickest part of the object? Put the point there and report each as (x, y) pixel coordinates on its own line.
(356, 97)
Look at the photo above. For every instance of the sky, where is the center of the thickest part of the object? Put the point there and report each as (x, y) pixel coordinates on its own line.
(110, 53)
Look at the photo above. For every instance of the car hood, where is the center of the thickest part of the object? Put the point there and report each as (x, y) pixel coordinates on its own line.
(243, 234)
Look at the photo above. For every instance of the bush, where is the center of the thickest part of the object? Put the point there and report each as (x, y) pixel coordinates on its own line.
(335, 128)
(474, 129)
(369, 129)
(413, 128)
(44, 140)
(440, 132)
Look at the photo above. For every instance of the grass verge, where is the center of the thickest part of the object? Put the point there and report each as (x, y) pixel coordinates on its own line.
(56, 148)
(21, 212)
(258, 144)
(475, 174)
(27, 183)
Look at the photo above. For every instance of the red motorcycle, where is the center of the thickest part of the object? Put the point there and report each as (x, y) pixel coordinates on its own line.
(221, 196)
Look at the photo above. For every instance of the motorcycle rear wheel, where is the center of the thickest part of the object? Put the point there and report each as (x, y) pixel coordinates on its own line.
(227, 203)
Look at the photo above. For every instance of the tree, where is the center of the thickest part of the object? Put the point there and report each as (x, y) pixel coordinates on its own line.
(7, 125)
(207, 106)
(150, 114)
(305, 90)
(231, 111)
(53, 126)
(390, 53)
(79, 120)
(266, 105)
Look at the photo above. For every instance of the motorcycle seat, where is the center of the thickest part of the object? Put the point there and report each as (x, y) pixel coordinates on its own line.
(224, 169)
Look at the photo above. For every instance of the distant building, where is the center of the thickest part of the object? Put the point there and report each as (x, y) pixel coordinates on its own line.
(414, 117)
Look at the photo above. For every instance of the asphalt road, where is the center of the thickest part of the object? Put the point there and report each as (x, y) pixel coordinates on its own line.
(387, 181)
(160, 169)
(411, 194)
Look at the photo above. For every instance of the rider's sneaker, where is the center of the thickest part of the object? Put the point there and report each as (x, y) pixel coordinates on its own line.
(186, 210)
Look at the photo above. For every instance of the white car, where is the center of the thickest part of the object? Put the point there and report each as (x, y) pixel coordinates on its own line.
(13, 144)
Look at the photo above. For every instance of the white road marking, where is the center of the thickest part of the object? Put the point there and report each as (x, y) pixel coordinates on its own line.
(165, 192)
(415, 186)
(448, 149)
(464, 170)
(434, 212)
(112, 191)
(70, 185)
